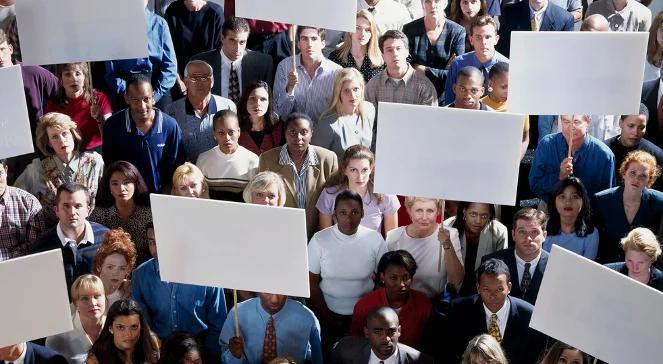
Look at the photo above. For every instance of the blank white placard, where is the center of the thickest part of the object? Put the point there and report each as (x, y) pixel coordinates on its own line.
(557, 73)
(231, 245)
(599, 311)
(66, 31)
(328, 14)
(15, 136)
(455, 154)
(34, 301)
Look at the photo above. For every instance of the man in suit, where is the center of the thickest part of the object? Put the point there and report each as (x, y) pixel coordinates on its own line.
(533, 15)
(526, 260)
(78, 238)
(30, 353)
(235, 67)
(651, 97)
(492, 311)
(305, 168)
(380, 344)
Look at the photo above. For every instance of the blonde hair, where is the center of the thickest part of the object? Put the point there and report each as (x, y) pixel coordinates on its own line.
(86, 281)
(372, 49)
(410, 200)
(484, 348)
(57, 121)
(642, 240)
(189, 170)
(261, 181)
(347, 74)
(646, 160)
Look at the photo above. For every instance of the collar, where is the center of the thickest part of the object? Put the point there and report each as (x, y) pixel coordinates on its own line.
(502, 313)
(284, 157)
(321, 68)
(406, 77)
(73, 163)
(226, 61)
(533, 263)
(78, 326)
(21, 358)
(264, 314)
(88, 237)
(393, 359)
(211, 106)
(158, 121)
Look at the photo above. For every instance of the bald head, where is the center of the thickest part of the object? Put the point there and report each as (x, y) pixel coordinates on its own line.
(595, 23)
(382, 313)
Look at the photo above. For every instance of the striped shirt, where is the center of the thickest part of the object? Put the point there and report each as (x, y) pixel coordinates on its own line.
(413, 88)
(312, 95)
(301, 177)
(21, 223)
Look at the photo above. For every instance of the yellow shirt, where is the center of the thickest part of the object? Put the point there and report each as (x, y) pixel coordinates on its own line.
(501, 106)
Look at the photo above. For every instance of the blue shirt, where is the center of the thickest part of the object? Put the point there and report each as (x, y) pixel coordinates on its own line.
(587, 246)
(170, 307)
(297, 332)
(469, 59)
(161, 62)
(593, 163)
(156, 153)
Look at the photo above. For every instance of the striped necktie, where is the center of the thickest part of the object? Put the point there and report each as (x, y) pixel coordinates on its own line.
(494, 330)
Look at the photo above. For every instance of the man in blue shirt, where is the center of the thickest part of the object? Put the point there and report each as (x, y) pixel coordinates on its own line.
(144, 136)
(170, 307)
(271, 325)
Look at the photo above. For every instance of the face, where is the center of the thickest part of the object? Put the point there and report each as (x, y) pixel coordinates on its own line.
(189, 187)
(569, 356)
(91, 303)
(140, 99)
(468, 92)
(358, 172)
(395, 54)
(362, 32)
(569, 203)
(73, 79)
(633, 129)
(257, 102)
(397, 281)
(234, 44)
(61, 141)
(192, 357)
(434, 7)
(470, 8)
(499, 87)
(637, 263)
(126, 332)
(351, 94)
(272, 303)
(310, 43)
(537, 4)
(579, 126)
(72, 209)
(199, 80)
(114, 270)
(6, 55)
(636, 177)
(348, 215)
(3, 179)
(528, 236)
(493, 290)
(268, 196)
(298, 135)
(121, 187)
(423, 214)
(152, 243)
(383, 333)
(484, 39)
(226, 134)
(477, 216)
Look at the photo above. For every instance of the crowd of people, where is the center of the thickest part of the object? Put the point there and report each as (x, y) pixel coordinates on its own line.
(221, 109)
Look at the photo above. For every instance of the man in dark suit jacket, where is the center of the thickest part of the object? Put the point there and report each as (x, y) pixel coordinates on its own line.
(526, 260)
(77, 238)
(380, 343)
(519, 17)
(254, 66)
(649, 97)
(31, 354)
(493, 312)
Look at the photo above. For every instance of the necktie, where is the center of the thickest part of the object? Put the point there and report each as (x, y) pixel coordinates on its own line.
(535, 24)
(269, 346)
(494, 330)
(233, 85)
(527, 278)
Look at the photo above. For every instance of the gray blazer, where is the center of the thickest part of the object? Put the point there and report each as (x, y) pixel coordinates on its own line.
(493, 237)
(357, 350)
(331, 134)
(256, 66)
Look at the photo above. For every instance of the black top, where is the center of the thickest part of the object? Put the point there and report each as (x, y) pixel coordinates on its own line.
(367, 69)
(621, 151)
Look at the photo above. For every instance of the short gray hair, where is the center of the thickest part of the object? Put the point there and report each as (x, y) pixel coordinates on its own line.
(197, 61)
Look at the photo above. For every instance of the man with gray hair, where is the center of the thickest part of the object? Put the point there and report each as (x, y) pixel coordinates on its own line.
(194, 112)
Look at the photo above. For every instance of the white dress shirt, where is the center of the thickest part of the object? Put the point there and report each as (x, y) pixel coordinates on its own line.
(88, 238)
(520, 265)
(538, 14)
(502, 316)
(225, 73)
(393, 359)
(388, 14)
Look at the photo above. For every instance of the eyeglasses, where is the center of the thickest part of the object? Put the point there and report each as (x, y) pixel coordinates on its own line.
(199, 78)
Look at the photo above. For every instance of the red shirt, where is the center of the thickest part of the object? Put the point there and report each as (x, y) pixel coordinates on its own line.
(257, 26)
(79, 111)
(413, 316)
(270, 140)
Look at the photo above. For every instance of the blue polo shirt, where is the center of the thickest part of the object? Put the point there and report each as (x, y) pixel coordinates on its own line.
(156, 153)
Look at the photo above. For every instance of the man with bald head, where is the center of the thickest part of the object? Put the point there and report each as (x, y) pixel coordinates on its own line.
(595, 23)
(380, 344)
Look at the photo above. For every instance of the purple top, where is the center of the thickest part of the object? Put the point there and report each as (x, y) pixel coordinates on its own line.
(373, 210)
(40, 85)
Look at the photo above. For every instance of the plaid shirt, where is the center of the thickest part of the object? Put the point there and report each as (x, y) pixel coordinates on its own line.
(21, 222)
(413, 88)
(301, 177)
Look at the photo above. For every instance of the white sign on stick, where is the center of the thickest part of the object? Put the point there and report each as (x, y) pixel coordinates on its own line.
(455, 154)
(34, 300)
(231, 245)
(15, 136)
(558, 73)
(599, 311)
(328, 14)
(67, 31)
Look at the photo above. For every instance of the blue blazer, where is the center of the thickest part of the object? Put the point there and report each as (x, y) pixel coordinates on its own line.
(649, 97)
(655, 278)
(508, 256)
(516, 17)
(37, 354)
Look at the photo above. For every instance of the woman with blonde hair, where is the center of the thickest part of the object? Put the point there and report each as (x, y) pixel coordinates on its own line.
(189, 181)
(265, 188)
(641, 250)
(349, 119)
(654, 54)
(484, 349)
(59, 140)
(114, 262)
(359, 49)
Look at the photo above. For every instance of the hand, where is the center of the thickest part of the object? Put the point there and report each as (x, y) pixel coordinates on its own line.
(181, 85)
(236, 346)
(451, 60)
(419, 68)
(444, 237)
(293, 80)
(566, 168)
(94, 108)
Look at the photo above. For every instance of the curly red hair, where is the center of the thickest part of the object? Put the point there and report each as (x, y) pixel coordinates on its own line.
(116, 241)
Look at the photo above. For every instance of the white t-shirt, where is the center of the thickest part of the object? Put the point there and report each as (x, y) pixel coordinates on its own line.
(426, 252)
(228, 172)
(345, 264)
